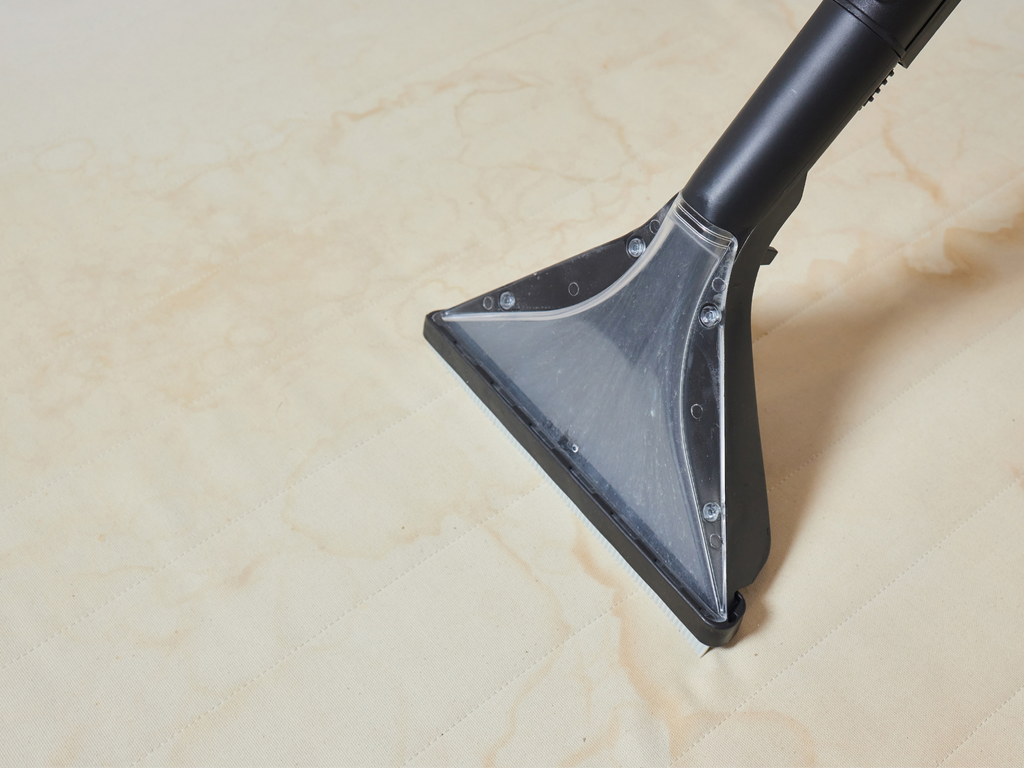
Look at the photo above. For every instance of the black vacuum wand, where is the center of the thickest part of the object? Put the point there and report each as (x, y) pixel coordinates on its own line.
(627, 371)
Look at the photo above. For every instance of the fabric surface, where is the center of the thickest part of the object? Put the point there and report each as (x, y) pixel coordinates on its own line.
(250, 518)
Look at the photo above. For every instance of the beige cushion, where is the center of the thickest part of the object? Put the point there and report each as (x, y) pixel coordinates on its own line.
(249, 517)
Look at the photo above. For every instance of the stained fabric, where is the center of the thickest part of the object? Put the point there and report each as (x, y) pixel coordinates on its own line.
(249, 517)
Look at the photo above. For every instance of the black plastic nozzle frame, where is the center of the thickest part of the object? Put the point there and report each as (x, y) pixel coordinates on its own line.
(748, 185)
(753, 179)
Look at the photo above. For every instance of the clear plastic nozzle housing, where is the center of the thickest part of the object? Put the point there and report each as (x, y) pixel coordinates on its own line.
(628, 386)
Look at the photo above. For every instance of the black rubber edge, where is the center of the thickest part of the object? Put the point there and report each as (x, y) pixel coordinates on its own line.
(599, 513)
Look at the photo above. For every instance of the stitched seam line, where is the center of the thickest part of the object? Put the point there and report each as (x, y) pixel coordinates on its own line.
(573, 634)
(884, 259)
(351, 316)
(843, 623)
(342, 319)
(182, 410)
(305, 223)
(979, 726)
(333, 622)
(148, 305)
(232, 522)
(903, 393)
(14, 156)
(142, 308)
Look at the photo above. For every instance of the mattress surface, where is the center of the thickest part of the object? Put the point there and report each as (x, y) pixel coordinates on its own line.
(249, 517)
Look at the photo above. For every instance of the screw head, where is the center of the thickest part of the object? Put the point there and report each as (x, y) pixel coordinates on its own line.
(710, 315)
(712, 511)
(636, 247)
(507, 300)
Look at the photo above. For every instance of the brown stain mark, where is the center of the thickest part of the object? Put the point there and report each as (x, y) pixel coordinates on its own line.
(583, 551)
(549, 164)
(631, 158)
(502, 85)
(593, 746)
(410, 95)
(787, 13)
(491, 757)
(241, 579)
(339, 543)
(428, 500)
(66, 156)
(563, 629)
(954, 284)
(682, 724)
(239, 161)
(783, 302)
(1019, 474)
(966, 258)
(70, 750)
(639, 657)
(790, 740)
(169, 641)
(661, 702)
(914, 175)
(975, 258)
(960, 264)
(973, 41)
(562, 626)
(969, 250)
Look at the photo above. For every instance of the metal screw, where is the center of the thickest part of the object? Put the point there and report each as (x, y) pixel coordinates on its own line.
(488, 303)
(710, 315)
(636, 247)
(507, 300)
(712, 511)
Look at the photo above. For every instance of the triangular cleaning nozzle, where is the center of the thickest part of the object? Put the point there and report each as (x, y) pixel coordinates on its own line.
(627, 372)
